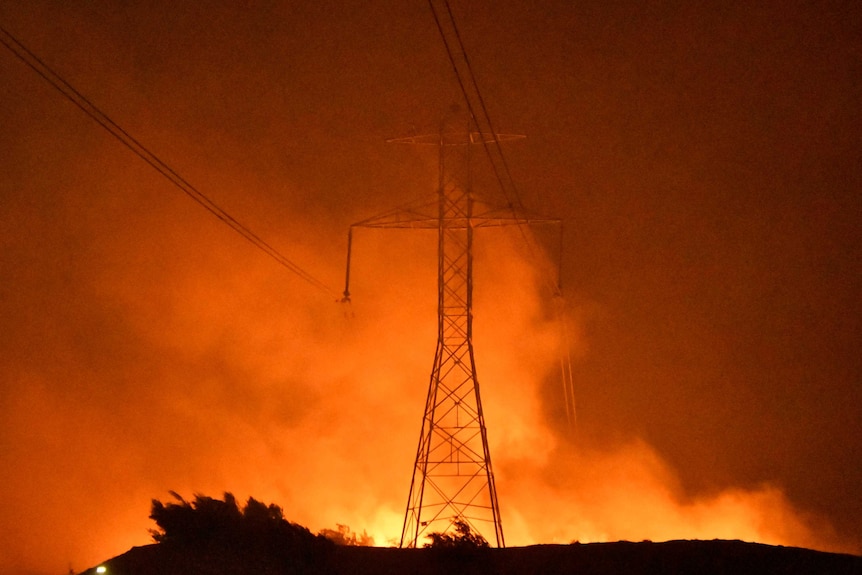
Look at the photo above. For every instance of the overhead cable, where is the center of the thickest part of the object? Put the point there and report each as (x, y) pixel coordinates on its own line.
(467, 83)
(74, 96)
(510, 192)
(485, 114)
(469, 86)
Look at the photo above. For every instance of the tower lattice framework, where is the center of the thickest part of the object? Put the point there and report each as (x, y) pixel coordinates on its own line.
(452, 479)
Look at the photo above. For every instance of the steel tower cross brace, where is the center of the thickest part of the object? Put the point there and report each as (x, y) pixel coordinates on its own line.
(452, 477)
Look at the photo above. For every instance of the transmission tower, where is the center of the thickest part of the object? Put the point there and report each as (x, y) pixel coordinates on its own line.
(452, 480)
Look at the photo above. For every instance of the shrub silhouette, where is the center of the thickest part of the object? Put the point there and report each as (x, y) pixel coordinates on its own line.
(342, 535)
(257, 529)
(463, 539)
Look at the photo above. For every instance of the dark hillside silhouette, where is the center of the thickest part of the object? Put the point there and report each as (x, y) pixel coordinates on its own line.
(208, 536)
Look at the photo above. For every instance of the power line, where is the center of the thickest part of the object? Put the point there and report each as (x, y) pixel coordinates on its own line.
(484, 108)
(511, 192)
(74, 96)
(467, 83)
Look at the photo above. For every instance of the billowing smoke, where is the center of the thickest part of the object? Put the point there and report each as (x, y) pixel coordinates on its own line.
(555, 486)
(183, 377)
(144, 347)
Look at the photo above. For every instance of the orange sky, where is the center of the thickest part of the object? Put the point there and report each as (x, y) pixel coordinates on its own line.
(706, 166)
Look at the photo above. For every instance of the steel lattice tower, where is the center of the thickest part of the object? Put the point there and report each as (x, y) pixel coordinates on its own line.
(452, 474)
(452, 477)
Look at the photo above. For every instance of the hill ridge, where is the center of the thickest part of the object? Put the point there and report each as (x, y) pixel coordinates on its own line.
(703, 557)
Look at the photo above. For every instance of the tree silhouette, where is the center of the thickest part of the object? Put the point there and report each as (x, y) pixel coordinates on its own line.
(214, 522)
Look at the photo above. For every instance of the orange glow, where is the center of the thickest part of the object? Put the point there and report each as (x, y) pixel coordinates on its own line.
(316, 408)
(321, 411)
(629, 494)
(705, 163)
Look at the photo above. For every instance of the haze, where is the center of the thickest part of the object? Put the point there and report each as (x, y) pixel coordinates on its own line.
(705, 163)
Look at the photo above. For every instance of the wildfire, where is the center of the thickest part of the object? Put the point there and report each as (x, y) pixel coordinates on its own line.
(318, 410)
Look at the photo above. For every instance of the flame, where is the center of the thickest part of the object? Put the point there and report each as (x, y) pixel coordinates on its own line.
(630, 494)
(235, 387)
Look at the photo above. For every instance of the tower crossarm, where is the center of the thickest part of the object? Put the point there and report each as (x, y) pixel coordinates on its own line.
(423, 213)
